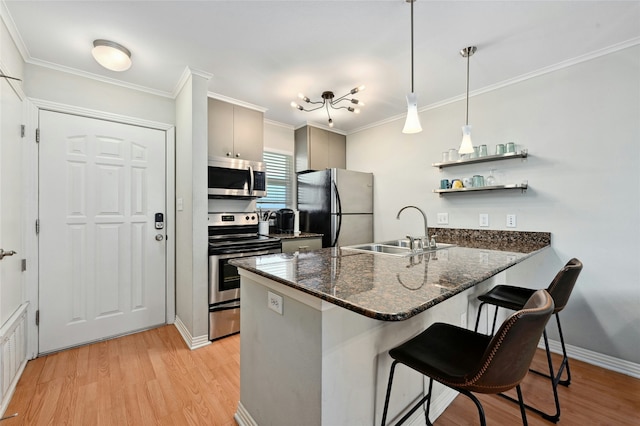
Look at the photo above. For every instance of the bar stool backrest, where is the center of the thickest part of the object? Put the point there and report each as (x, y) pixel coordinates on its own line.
(509, 354)
(562, 285)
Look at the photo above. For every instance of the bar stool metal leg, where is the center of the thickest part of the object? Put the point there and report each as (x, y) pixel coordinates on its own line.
(554, 386)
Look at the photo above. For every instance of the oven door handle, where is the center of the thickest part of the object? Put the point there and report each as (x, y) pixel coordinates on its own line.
(243, 253)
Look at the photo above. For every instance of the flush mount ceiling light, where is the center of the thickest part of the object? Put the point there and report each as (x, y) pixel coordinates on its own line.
(412, 124)
(111, 55)
(329, 100)
(466, 147)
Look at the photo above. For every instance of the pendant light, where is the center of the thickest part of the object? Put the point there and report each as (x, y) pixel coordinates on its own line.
(412, 124)
(466, 147)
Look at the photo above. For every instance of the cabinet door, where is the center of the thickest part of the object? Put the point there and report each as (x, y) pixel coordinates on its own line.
(248, 130)
(318, 149)
(337, 156)
(220, 128)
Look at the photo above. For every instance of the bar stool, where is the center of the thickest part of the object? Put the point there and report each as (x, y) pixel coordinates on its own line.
(467, 361)
(514, 298)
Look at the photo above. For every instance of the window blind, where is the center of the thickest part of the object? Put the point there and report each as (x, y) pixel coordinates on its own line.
(279, 181)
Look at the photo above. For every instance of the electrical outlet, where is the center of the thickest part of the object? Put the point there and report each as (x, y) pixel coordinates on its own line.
(511, 221)
(275, 302)
(443, 218)
(484, 219)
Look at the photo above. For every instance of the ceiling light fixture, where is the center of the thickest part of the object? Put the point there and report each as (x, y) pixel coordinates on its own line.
(412, 124)
(111, 55)
(328, 100)
(466, 147)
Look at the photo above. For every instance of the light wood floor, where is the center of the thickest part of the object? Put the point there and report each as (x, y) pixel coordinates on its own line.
(152, 378)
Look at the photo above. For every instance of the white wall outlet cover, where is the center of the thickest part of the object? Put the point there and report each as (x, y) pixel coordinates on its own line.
(484, 219)
(274, 302)
(511, 221)
(443, 218)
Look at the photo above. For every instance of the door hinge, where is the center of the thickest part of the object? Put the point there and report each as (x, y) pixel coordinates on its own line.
(24, 264)
(37, 226)
(38, 317)
(22, 130)
(38, 135)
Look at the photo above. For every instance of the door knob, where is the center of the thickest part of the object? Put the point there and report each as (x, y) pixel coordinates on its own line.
(159, 237)
(6, 253)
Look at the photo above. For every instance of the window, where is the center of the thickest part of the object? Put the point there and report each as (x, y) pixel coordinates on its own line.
(279, 182)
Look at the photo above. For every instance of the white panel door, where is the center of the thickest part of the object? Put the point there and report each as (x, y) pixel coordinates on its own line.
(11, 200)
(102, 262)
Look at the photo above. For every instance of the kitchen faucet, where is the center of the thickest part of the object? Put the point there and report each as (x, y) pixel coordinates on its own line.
(426, 229)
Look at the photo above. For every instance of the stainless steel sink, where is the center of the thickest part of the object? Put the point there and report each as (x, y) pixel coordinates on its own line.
(394, 248)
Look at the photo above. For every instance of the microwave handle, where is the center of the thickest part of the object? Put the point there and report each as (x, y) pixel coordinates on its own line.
(251, 183)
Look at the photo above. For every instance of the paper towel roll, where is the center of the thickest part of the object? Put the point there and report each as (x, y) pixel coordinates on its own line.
(296, 222)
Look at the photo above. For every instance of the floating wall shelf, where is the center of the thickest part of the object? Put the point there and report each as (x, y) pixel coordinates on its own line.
(521, 186)
(506, 156)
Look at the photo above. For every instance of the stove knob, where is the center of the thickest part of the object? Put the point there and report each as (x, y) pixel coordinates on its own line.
(247, 217)
(253, 218)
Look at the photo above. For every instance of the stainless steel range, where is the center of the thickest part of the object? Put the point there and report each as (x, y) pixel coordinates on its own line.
(231, 235)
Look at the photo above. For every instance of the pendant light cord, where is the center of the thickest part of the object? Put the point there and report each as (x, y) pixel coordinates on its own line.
(467, 119)
(412, 1)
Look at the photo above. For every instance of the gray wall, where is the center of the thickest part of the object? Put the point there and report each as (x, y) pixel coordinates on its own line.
(65, 88)
(581, 125)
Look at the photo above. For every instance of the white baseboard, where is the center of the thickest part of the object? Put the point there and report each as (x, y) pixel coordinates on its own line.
(192, 342)
(594, 358)
(242, 416)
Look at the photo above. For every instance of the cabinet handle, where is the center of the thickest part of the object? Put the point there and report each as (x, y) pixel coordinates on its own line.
(237, 155)
(303, 248)
(228, 154)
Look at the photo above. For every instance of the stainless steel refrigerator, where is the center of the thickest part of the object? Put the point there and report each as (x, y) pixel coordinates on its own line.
(337, 203)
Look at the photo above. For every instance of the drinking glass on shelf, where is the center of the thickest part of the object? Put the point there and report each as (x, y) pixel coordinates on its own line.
(490, 180)
(483, 151)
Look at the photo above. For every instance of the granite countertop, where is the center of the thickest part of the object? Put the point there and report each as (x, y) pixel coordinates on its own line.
(292, 236)
(391, 288)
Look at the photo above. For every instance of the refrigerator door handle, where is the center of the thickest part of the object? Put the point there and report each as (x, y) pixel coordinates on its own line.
(339, 213)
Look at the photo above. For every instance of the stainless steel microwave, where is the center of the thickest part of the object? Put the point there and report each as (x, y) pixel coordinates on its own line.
(235, 178)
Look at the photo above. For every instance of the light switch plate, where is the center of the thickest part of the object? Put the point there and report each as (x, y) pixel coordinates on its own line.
(511, 221)
(484, 219)
(443, 218)
(274, 302)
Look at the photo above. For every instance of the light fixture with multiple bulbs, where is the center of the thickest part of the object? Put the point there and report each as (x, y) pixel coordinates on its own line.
(466, 147)
(111, 55)
(329, 100)
(412, 123)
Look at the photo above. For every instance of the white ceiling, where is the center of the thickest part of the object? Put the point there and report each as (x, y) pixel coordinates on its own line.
(265, 52)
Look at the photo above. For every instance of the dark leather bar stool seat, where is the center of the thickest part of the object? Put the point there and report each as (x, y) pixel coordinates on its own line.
(468, 362)
(514, 298)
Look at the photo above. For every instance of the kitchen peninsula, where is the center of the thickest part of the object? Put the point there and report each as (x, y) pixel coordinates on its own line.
(316, 326)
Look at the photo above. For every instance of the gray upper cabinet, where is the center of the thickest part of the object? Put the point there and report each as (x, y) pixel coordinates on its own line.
(235, 131)
(319, 149)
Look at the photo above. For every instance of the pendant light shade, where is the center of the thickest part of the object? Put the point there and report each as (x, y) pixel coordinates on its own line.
(466, 146)
(111, 55)
(412, 123)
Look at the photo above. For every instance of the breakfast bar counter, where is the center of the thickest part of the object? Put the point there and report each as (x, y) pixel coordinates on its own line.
(316, 326)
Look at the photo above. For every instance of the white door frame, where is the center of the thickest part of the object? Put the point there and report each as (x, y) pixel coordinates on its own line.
(31, 214)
